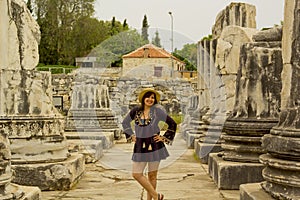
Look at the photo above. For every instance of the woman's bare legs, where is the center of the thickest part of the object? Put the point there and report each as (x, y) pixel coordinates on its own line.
(152, 176)
(137, 174)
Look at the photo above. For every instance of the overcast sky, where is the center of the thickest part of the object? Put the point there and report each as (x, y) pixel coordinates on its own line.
(192, 19)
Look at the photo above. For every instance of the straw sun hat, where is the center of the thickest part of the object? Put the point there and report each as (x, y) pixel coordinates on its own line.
(144, 91)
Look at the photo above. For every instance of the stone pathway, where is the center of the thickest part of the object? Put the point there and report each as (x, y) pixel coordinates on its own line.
(181, 177)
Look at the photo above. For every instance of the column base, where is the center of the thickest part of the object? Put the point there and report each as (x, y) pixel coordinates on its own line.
(253, 191)
(51, 176)
(204, 149)
(191, 138)
(230, 175)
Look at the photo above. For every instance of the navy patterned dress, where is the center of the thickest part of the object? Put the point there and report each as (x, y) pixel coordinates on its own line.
(145, 148)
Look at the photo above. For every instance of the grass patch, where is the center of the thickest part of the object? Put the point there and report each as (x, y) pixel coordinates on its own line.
(178, 118)
(196, 157)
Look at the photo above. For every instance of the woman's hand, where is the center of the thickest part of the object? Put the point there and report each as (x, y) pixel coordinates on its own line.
(133, 138)
(157, 138)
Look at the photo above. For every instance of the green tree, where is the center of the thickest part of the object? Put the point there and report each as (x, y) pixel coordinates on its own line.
(111, 50)
(86, 34)
(113, 26)
(116, 27)
(68, 29)
(145, 27)
(56, 19)
(49, 25)
(156, 39)
(188, 54)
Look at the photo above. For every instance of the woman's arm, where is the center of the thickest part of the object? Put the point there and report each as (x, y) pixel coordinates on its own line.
(126, 124)
(169, 135)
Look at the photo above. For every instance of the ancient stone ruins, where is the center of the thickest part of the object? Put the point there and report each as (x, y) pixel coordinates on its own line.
(242, 118)
(249, 137)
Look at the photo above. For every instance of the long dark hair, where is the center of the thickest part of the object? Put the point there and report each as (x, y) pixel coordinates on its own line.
(147, 95)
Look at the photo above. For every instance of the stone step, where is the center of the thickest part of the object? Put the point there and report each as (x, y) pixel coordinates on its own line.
(107, 138)
(91, 149)
(21, 192)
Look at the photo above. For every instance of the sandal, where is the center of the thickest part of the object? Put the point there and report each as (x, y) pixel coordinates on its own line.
(160, 196)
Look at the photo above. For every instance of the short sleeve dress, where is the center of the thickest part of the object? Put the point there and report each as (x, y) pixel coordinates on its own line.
(145, 148)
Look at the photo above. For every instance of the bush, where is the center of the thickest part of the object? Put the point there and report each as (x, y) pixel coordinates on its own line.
(56, 69)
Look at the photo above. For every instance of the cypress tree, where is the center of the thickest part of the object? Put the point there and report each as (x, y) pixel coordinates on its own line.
(145, 29)
(156, 40)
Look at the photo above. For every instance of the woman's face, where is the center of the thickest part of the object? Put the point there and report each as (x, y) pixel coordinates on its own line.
(149, 101)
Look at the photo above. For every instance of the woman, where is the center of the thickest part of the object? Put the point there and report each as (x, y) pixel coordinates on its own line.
(149, 148)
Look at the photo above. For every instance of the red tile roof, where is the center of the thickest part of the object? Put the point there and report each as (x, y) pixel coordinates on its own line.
(149, 51)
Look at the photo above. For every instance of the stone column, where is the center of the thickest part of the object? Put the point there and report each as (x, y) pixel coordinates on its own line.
(282, 169)
(7, 189)
(5, 163)
(224, 67)
(237, 14)
(220, 88)
(194, 128)
(282, 166)
(4, 21)
(34, 127)
(212, 120)
(203, 105)
(255, 112)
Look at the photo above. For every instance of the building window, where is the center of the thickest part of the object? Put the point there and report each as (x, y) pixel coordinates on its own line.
(87, 64)
(158, 71)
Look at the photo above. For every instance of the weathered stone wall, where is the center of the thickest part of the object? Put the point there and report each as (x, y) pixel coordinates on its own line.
(123, 92)
(62, 86)
(174, 93)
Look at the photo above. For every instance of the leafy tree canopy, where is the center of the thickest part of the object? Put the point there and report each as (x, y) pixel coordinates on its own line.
(188, 54)
(112, 49)
(69, 30)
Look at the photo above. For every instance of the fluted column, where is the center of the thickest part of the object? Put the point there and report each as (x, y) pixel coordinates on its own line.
(214, 118)
(257, 102)
(193, 129)
(282, 166)
(255, 112)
